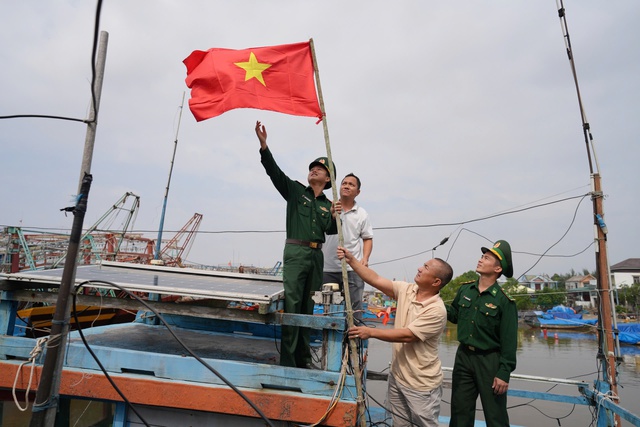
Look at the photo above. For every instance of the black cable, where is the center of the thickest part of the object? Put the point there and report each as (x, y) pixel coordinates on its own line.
(390, 411)
(575, 213)
(542, 412)
(102, 368)
(94, 102)
(482, 218)
(406, 226)
(43, 116)
(375, 228)
(187, 349)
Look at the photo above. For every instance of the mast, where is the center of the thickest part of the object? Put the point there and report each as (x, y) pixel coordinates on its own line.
(608, 344)
(45, 405)
(166, 193)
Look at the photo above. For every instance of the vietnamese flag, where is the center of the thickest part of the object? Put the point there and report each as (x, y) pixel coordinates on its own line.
(276, 78)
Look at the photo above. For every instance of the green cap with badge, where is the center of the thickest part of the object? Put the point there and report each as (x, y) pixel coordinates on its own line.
(324, 162)
(502, 250)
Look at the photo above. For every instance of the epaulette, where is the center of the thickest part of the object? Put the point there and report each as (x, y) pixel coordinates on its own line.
(466, 283)
(506, 294)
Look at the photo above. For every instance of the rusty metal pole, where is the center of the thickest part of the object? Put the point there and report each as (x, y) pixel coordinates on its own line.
(45, 405)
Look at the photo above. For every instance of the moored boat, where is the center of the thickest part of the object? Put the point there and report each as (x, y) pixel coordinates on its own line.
(559, 317)
(233, 373)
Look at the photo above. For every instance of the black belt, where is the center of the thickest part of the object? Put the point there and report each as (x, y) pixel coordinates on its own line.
(474, 350)
(312, 245)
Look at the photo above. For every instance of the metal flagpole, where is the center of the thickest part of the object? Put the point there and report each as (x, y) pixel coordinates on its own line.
(166, 193)
(345, 280)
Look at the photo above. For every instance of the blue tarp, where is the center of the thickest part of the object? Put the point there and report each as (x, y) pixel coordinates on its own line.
(562, 312)
(629, 333)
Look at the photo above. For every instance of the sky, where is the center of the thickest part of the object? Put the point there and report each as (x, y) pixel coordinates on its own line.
(449, 112)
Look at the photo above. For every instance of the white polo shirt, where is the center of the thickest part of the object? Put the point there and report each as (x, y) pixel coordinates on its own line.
(355, 227)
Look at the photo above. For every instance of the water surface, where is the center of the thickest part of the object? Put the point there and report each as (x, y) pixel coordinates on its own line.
(568, 355)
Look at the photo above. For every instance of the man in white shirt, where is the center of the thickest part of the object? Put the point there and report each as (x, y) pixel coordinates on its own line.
(357, 233)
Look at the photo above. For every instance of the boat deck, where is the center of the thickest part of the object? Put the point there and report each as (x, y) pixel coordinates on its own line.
(157, 339)
(233, 346)
(182, 282)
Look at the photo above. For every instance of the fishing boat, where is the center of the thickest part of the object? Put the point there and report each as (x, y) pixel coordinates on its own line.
(379, 313)
(190, 360)
(548, 322)
(559, 317)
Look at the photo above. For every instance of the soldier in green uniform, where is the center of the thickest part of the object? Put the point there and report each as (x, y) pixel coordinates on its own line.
(309, 217)
(487, 320)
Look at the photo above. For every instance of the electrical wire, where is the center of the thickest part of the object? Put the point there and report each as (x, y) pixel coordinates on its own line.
(97, 360)
(93, 80)
(511, 211)
(43, 116)
(575, 213)
(398, 227)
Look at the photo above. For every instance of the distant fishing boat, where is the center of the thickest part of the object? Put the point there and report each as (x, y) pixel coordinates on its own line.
(629, 333)
(559, 317)
(379, 313)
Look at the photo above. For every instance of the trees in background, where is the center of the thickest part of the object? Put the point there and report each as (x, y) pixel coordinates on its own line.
(540, 300)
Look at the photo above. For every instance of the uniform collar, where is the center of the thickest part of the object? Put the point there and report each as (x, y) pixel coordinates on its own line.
(493, 289)
(309, 189)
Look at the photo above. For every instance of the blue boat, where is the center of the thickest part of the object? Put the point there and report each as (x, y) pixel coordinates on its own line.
(196, 357)
(559, 317)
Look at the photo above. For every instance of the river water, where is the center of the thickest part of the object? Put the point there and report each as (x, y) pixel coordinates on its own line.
(558, 354)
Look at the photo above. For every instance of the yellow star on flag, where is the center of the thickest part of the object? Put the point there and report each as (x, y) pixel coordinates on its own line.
(253, 68)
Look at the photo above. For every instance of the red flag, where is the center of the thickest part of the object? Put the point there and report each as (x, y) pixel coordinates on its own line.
(277, 78)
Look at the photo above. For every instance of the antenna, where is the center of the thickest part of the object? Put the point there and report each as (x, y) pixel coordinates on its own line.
(166, 193)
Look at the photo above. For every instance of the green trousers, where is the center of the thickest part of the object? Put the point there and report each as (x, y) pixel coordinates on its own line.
(301, 276)
(473, 375)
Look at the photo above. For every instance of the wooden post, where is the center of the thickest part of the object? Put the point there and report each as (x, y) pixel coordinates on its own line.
(606, 312)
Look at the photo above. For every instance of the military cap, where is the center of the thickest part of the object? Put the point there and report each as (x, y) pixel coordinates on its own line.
(502, 250)
(324, 162)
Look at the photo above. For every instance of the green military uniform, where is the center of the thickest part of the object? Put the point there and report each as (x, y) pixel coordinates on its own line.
(487, 331)
(308, 219)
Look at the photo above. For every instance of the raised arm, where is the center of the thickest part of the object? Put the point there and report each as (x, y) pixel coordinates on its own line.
(261, 132)
(368, 275)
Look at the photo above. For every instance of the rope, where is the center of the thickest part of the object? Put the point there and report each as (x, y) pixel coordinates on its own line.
(337, 393)
(33, 355)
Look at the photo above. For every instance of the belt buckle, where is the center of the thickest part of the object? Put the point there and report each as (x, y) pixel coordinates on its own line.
(313, 245)
(472, 348)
